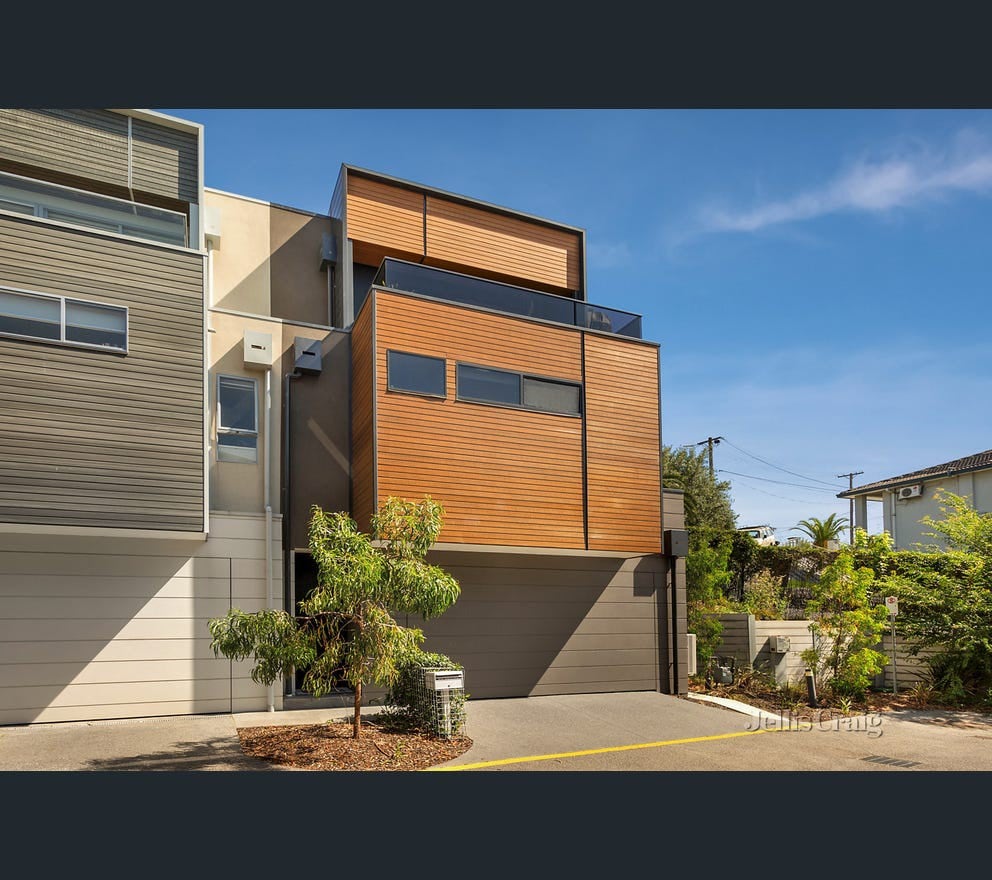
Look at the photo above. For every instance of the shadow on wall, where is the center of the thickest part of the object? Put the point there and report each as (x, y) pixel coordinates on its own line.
(527, 625)
(112, 628)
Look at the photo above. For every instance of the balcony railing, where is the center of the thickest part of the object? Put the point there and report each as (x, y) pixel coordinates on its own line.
(471, 291)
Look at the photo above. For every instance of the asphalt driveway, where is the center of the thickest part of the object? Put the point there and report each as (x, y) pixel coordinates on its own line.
(636, 731)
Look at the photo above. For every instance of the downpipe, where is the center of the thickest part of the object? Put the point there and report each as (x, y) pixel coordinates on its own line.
(266, 493)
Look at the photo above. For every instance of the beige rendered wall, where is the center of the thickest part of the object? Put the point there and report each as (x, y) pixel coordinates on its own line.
(235, 486)
(902, 518)
(117, 627)
(241, 278)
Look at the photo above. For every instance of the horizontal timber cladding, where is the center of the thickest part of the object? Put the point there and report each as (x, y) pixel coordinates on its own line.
(84, 143)
(622, 444)
(386, 216)
(505, 476)
(90, 438)
(117, 627)
(527, 625)
(471, 238)
(164, 161)
(93, 144)
(362, 429)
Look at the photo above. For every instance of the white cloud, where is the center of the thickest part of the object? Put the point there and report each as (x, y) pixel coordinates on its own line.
(870, 186)
(608, 256)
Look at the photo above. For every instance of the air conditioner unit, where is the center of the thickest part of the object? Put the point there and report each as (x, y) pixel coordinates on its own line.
(910, 491)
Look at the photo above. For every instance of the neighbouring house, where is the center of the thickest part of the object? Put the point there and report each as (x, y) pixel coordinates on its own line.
(186, 371)
(906, 499)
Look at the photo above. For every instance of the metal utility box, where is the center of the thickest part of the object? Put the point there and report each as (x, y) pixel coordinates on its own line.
(779, 644)
(676, 542)
(444, 679)
(307, 355)
(691, 641)
(258, 349)
(723, 675)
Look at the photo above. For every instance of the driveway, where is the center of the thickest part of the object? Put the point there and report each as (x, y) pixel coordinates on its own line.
(636, 731)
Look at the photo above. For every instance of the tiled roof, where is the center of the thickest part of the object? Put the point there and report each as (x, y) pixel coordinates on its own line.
(975, 462)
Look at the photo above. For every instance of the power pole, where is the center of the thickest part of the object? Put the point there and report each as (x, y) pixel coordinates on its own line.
(710, 442)
(850, 485)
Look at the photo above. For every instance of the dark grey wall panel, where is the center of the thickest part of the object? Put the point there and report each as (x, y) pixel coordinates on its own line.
(93, 438)
(83, 143)
(528, 625)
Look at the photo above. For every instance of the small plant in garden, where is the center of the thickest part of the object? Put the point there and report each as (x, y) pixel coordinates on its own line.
(922, 694)
(346, 626)
(845, 704)
(763, 597)
(846, 627)
(408, 698)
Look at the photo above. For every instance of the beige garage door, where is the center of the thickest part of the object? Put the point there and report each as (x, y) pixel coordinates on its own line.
(117, 628)
(532, 624)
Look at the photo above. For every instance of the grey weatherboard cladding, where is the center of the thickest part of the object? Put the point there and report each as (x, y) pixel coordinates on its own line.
(90, 438)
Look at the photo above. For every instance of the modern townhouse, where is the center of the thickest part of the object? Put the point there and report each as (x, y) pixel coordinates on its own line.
(186, 371)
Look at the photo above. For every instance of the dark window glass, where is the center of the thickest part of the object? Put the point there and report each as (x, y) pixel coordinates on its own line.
(30, 315)
(492, 386)
(557, 397)
(237, 404)
(415, 373)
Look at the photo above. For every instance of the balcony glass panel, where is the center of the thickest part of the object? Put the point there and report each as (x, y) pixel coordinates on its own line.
(67, 205)
(471, 291)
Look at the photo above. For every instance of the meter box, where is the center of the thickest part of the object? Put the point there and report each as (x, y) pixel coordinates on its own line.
(307, 355)
(779, 644)
(257, 349)
(444, 679)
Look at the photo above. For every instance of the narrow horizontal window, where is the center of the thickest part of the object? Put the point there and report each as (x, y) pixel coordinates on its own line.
(24, 315)
(95, 324)
(58, 319)
(237, 419)
(491, 386)
(415, 373)
(558, 397)
(518, 390)
(65, 204)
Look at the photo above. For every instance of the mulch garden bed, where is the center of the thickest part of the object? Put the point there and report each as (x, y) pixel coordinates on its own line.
(386, 744)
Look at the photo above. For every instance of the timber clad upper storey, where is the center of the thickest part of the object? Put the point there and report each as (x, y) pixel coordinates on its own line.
(101, 321)
(481, 376)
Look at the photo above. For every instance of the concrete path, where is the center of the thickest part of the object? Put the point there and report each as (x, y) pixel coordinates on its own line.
(637, 731)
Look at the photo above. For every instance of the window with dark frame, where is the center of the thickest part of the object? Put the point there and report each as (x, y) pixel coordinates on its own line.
(416, 373)
(518, 390)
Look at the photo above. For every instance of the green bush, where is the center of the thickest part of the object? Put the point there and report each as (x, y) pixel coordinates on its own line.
(409, 697)
(763, 597)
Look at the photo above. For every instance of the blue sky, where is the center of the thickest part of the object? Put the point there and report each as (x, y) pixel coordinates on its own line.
(819, 280)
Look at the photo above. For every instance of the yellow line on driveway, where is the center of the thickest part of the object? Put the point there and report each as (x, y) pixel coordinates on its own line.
(503, 762)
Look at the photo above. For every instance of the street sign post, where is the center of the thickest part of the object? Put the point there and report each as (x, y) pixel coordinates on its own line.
(892, 606)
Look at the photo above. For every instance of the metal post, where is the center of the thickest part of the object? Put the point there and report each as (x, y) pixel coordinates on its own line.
(811, 688)
(895, 663)
(850, 486)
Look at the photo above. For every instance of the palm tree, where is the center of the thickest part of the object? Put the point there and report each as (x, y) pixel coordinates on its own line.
(820, 531)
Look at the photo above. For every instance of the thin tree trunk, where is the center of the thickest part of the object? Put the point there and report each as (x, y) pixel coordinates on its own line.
(358, 711)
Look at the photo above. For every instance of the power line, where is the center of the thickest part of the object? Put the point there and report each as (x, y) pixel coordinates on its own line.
(780, 482)
(777, 467)
(806, 501)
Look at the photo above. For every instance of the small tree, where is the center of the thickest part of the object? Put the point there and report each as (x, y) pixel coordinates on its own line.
(821, 531)
(346, 626)
(846, 627)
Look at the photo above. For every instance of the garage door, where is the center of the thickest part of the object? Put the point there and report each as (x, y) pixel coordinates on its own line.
(117, 627)
(533, 624)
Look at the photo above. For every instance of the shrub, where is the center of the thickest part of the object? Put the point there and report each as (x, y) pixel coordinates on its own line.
(409, 697)
(846, 627)
(763, 597)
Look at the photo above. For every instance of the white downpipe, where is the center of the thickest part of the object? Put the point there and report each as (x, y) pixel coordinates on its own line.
(267, 497)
